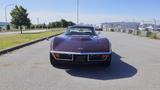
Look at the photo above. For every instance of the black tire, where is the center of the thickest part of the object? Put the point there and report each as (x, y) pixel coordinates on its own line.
(53, 61)
(107, 63)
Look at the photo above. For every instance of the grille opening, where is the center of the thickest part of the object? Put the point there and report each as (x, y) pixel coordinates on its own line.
(80, 58)
(97, 57)
(63, 56)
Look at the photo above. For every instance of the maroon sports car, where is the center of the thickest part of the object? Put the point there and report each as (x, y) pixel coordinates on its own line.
(80, 44)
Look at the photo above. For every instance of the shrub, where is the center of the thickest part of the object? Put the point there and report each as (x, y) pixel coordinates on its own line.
(151, 34)
(130, 32)
(0, 29)
(123, 31)
(158, 35)
(138, 32)
(112, 30)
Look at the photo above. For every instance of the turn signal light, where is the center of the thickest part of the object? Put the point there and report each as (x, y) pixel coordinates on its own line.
(57, 55)
(104, 56)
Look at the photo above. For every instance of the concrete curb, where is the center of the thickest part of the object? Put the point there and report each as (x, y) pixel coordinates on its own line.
(25, 44)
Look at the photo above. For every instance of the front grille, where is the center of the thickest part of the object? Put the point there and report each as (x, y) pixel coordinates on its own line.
(97, 57)
(80, 58)
(65, 56)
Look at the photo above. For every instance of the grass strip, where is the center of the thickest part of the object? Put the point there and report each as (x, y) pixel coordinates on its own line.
(7, 41)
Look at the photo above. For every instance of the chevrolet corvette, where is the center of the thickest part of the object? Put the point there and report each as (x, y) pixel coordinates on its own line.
(82, 45)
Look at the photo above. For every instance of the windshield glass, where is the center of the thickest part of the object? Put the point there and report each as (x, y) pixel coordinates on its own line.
(80, 31)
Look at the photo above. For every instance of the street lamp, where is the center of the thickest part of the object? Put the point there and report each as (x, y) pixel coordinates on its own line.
(155, 24)
(77, 11)
(6, 14)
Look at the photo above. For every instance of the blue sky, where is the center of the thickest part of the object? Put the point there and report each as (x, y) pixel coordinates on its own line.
(91, 11)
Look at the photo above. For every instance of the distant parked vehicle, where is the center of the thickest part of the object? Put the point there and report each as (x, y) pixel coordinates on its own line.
(99, 29)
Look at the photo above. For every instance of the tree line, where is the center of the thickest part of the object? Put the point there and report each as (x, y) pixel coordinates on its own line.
(57, 24)
(20, 19)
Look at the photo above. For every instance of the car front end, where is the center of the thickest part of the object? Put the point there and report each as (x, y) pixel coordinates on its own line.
(81, 57)
(80, 45)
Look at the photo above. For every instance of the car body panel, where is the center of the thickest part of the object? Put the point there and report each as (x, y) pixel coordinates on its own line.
(81, 44)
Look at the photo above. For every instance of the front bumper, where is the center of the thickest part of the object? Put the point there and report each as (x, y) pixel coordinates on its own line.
(80, 56)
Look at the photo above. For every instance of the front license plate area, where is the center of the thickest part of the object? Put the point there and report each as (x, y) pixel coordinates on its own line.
(80, 58)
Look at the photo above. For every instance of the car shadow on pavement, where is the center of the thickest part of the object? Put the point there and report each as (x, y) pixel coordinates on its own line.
(117, 70)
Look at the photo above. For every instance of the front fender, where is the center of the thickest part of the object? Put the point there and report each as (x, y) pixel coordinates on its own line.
(56, 41)
(107, 43)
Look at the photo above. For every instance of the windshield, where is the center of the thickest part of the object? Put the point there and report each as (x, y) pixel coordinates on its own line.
(80, 31)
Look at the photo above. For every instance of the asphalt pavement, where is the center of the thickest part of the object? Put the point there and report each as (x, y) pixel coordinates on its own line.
(135, 66)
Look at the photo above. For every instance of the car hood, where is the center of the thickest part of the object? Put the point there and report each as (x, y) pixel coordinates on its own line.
(80, 43)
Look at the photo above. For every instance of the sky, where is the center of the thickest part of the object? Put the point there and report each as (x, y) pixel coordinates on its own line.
(90, 11)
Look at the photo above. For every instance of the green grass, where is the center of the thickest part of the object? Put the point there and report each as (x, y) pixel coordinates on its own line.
(7, 41)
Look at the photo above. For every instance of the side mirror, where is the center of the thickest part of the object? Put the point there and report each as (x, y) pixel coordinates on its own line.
(99, 29)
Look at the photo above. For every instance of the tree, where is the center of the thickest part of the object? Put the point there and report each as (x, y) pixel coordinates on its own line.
(70, 23)
(8, 27)
(59, 24)
(64, 23)
(44, 25)
(20, 17)
(32, 26)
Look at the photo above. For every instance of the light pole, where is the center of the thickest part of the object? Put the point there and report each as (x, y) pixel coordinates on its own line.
(77, 11)
(6, 14)
(155, 23)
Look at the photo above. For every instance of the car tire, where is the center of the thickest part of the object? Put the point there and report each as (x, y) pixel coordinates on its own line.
(53, 61)
(107, 63)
